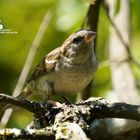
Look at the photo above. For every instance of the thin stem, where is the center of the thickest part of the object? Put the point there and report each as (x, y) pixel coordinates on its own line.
(28, 63)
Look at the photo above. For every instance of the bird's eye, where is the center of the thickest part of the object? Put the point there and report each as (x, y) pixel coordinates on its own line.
(77, 39)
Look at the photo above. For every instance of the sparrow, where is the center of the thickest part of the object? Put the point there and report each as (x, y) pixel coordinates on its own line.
(66, 70)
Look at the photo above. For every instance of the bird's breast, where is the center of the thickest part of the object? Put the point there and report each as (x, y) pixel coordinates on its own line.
(73, 78)
(68, 78)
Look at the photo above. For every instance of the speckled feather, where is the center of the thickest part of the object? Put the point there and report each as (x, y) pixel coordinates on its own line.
(66, 69)
(45, 68)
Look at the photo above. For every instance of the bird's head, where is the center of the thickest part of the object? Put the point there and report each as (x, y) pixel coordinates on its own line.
(80, 38)
(79, 43)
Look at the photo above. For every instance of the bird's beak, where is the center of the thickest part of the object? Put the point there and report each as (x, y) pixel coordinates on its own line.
(90, 36)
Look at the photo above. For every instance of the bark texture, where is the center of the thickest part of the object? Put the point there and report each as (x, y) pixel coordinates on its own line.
(74, 121)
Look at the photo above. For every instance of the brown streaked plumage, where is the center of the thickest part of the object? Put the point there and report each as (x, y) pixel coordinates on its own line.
(43, 67)
(67, 69)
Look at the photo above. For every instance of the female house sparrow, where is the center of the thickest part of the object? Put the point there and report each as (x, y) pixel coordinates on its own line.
(65, 70)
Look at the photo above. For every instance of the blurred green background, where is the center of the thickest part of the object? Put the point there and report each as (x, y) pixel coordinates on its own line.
(68, 15)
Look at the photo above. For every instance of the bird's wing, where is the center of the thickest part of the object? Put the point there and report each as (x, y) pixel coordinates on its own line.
(47, 64)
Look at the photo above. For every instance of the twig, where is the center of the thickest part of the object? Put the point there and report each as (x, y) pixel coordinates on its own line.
(32, 52)
(108, 62)
(26, 68)
(130, 56)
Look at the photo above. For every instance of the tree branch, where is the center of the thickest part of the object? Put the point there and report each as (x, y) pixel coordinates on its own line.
(46, 133)
(69, 120)
(97, 107)
(37, 108)
(101, 108)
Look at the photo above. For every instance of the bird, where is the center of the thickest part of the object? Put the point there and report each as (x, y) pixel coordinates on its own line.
(66, 70)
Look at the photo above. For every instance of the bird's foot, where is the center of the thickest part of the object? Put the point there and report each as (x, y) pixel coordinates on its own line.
(57, 104)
